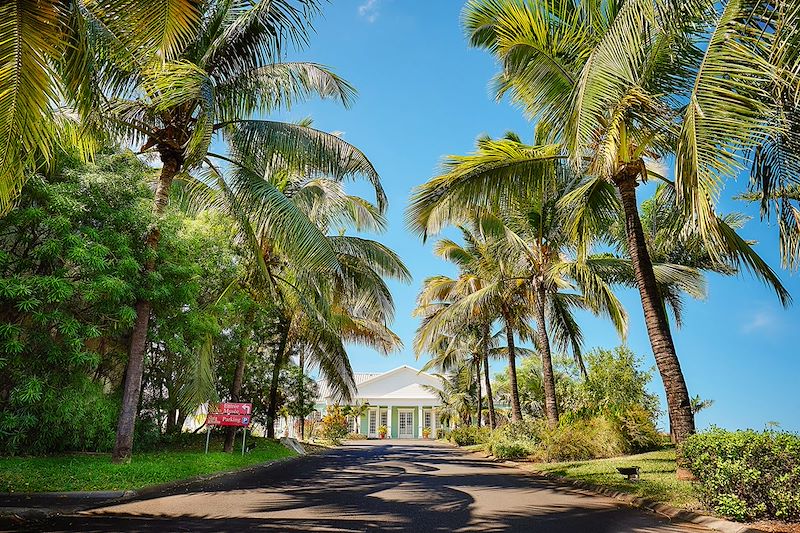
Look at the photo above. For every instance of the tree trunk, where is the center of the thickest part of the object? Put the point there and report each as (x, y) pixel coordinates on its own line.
(138, 343)
(516, 412)
(678, 402)
(489, 399)
(487, 377)
(272, 409)
(548, 376)
(300, 393)
(236, 390)
(478, 385)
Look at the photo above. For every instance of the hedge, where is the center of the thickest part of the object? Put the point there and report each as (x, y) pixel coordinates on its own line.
(746, 475)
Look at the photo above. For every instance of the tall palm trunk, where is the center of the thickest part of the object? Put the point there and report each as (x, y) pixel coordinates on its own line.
(478, 385)
(548, 376)
(301, 392)
(489, 399)
(516, 412)
(236, 390)
(126, 422)
(272, 409)
(678, 403)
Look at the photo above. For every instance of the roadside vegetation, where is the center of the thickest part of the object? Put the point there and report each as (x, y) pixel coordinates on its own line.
(165, 244)
(137, 288)
(554, 226)
(181, 459)
(657, 481)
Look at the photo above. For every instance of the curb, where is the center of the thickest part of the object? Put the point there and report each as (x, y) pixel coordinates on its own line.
(673, 513)
(97, 498)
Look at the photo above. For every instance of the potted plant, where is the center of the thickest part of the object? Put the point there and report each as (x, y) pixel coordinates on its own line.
(426, 433)
(382, 431)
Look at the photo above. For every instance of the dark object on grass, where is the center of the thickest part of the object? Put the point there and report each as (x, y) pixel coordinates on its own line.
(250, 447)
(631, 471)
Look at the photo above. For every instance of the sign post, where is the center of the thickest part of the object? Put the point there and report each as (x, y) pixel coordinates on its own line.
(229, 414)
(244, 436)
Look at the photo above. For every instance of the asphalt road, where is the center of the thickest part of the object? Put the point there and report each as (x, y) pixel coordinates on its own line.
(370, 486)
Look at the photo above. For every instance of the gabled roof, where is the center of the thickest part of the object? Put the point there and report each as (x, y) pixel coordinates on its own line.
(369, 378)
(378, 377)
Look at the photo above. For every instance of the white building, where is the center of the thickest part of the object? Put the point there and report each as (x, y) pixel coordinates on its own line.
(398, 399)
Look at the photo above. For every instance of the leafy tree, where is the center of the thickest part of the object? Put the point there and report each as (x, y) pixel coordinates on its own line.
(47, 63)
(318, 310)
(531, 233)
(300, 393)
(214, 82)
(608, 83)
(70, 259)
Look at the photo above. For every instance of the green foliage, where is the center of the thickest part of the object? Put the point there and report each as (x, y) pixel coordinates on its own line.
(70, 262)
(504, 449)
(333, 427)
(746, 475)
(580, 439)
(614, 381)
(301, 393)
(515, 440)
(180, 459)
(469, 435)
(609, 411)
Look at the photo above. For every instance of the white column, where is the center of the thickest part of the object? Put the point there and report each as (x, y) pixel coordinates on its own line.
(389, 422)
(421, 421)
(358, 424)
(433, 423)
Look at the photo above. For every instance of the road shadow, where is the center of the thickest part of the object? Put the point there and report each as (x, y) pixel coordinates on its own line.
(387, 487)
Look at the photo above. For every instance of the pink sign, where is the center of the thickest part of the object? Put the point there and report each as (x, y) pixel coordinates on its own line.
(228, 408)
(230, 414)
(219, 419)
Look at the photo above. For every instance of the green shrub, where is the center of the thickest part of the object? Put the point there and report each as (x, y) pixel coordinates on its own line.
(522, 430)
(76, 417)
(469, 435)
(746, 475)
(511, 449)
(333, 427)
(638, 430)
(580, 439)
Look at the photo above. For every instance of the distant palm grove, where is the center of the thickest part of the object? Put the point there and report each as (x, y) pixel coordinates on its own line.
(166, 242)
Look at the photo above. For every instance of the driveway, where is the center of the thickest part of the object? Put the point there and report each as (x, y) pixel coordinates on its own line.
(374, 486)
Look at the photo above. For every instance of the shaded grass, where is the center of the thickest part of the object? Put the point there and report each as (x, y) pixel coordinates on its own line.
(657, 473)
(96, 471)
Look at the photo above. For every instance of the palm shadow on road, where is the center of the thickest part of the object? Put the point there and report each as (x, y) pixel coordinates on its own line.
(365, 488)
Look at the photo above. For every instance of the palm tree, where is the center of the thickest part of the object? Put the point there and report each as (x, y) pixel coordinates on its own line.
(219, 78)
(456, 396)
(462, 348)
(607, 82)
(532, 232)
(318, 310)
(54, 68)
(486, 289)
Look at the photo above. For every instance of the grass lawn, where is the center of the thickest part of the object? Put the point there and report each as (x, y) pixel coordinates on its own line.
(657, 474)
(96, 472)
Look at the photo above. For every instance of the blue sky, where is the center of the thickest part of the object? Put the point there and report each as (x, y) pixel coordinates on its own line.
(424, 94)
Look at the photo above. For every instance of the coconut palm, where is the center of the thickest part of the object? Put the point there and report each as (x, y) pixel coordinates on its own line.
(217, 80)
(486, 289)
(319, 310)
(456, 397)
(532, 232)
(461, 348)
(54, 68)
(607, 82)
